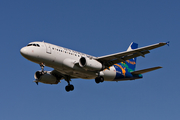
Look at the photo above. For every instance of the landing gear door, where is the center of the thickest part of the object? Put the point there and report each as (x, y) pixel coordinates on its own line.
(48, 48)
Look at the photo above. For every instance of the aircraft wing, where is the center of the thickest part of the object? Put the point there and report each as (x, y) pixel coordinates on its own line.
(59, 75)
(112, 59)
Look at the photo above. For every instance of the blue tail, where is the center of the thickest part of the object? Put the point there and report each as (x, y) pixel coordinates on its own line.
(124, 69)
(131, 63)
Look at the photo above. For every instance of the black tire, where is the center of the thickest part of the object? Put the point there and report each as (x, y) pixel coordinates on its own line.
(67, 88)
(97, 80)
(101, 79)
(71, 87)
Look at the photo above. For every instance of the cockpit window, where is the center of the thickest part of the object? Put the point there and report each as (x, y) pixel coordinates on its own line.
(29, 45)
(37, 45)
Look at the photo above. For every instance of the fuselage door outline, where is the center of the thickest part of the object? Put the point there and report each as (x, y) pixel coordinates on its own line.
(48, 48)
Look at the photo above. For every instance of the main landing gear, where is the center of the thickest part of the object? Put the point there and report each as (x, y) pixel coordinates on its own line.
(69, 87)
(99, 79)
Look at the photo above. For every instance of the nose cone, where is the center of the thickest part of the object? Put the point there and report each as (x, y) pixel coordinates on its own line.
(23, 51)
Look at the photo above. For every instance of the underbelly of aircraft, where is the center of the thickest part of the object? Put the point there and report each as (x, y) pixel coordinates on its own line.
(114, 73)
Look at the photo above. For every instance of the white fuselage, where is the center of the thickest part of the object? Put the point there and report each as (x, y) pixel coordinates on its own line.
(63, 60)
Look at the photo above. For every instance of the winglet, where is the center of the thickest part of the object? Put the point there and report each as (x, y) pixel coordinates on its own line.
(167, 43)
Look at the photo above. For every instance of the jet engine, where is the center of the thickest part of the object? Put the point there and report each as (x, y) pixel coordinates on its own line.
(90, 64)
(46, 77)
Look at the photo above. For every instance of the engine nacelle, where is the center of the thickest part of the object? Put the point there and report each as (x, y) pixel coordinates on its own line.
(90, 64)
(46, 77)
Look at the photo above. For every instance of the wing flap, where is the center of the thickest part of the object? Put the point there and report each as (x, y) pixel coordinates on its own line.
(146, 70)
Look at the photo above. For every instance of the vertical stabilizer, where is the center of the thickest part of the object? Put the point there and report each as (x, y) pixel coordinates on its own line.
(131, 63)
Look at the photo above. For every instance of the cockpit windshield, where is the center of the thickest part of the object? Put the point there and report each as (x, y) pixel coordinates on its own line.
(37, 45)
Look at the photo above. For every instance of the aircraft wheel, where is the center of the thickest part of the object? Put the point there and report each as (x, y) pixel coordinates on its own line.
(99, 79)
(69, 88)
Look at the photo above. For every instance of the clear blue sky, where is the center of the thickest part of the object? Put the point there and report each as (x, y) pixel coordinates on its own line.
(96, 27)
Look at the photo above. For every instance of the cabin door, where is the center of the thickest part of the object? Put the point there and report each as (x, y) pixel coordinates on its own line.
(48, 48)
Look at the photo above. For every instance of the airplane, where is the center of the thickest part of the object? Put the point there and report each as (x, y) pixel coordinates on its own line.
(69, 64)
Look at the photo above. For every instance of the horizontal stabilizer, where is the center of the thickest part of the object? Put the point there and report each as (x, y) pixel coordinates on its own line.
(146, 70)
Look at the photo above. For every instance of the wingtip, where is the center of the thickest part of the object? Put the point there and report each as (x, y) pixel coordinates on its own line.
(167, 43)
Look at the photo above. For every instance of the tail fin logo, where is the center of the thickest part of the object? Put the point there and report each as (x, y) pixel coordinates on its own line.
(131, 62)
(122, 69)
(132, 46)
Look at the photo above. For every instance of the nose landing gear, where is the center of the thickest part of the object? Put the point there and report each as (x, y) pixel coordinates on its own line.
(39, 73)
(42, 65)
